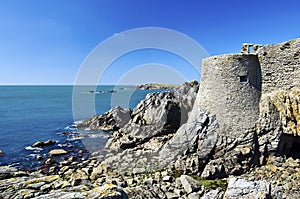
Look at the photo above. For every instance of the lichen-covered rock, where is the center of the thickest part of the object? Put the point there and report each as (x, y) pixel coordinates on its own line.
(283, 175)
(7, 172)
(288, 105)
(278, 126)
(62, 195)
(108, 191)
(46, 143)
(141, 192)
(56, 152)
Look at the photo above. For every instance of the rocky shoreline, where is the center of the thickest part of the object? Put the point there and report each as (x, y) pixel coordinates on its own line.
(98, 178)
(234, 135)
(80, 180)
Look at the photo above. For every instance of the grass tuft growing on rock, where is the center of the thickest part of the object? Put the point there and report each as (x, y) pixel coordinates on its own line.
(214, 184)
(209, 184)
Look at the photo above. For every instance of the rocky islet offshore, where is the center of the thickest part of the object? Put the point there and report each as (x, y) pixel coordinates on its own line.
(237, 137)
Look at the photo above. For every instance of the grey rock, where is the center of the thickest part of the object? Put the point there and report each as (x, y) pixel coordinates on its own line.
(73, 195)
(184, 140)
(213, 194)
(194, 195)
(154, 121)
(108, 192)
(110, 121)
(138, 170)
(239, 187)
(171, 195)
(141, 192)
(167, 178)
(189, 184)
(46, 188)
(57, 152)
(149, 181)
(46, 143)
(37, 185)
(276, 192)
(7, 172)
(61, 195)
(214, 169)
(24, 193)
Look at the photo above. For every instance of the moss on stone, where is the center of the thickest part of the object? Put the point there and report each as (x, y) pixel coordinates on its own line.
(211, 184)
(177, 173)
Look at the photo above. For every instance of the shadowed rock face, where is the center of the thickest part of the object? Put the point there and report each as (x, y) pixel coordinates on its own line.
(154, 121)
(110, 121)
(278, 125)
(157, 115)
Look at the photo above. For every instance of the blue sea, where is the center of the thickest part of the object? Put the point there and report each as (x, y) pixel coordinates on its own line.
(38, 113)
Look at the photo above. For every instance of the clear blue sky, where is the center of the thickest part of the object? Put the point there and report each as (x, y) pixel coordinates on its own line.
(45, 42)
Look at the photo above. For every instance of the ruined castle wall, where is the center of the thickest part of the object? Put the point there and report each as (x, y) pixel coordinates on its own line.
(280, 65)
(230, 89)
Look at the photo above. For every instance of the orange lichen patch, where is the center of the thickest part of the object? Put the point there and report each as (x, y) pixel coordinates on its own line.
(288, 105)
(107, 190)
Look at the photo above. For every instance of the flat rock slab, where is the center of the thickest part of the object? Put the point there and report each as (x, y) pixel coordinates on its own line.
(242, 188)
(7, 172)
(58, 152)
(189, 184)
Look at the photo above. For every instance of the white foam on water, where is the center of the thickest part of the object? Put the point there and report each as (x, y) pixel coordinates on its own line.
(30, 148)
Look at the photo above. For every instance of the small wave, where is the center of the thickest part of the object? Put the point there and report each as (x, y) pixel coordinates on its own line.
(71, 127)
(78, 122)
(30, 148)
(74, 138)
(14, 164)
(95, 135)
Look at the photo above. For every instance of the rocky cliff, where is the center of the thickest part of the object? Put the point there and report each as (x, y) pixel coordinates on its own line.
(238, 136)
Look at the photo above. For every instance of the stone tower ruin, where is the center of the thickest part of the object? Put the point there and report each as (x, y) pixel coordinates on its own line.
(230, 89)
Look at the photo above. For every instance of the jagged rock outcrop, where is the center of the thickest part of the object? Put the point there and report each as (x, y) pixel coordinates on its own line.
(158, 115)
(112, 120)
(278, 126)
(287, 104)
(154, 121)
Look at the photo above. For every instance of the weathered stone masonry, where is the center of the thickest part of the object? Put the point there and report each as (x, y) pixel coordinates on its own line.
(233, 84)
(280, 65)
(230, 89)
